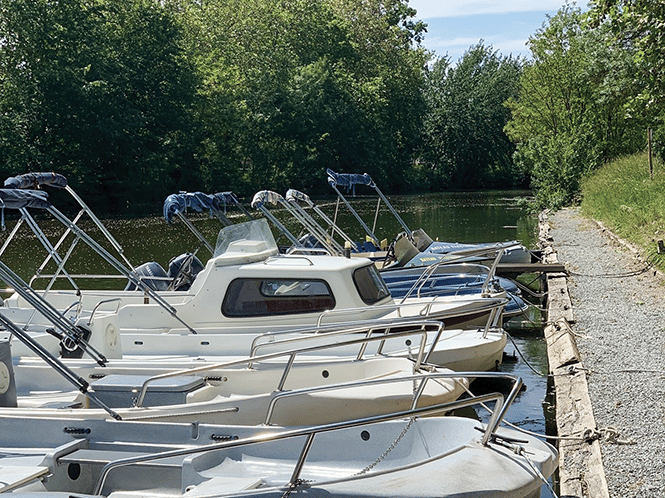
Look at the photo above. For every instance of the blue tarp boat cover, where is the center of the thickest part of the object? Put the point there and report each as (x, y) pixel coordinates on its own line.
(349, 180)
(198, 201)
(224, 198)
(36, 180)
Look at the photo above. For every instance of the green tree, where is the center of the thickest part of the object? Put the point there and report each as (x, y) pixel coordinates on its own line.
(98, 91)
(388, 87)
(291, 88)
(640, 26)
(465, 143)
(570, 116)
(133, 99)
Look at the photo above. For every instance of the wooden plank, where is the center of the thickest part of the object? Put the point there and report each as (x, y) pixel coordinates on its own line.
(581, 470)
(559, 304)
(530, 267)
(561, 346)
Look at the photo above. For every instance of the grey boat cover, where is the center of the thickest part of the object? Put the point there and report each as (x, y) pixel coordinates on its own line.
(17, 199)
(266, 196)
(198, 201)
(349, 180)
(34, 181)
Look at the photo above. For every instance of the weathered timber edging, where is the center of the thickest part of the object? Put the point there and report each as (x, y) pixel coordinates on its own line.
(581, 471)
(637, 252)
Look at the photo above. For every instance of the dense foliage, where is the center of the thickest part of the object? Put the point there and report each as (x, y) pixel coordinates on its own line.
(465, 145)
(641, 26)
(136, 99)
(99, 91)
(571, 116)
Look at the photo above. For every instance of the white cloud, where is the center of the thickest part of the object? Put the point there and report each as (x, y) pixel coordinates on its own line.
(437, 43)
(508, 47)
(452, 8)
(455, 47)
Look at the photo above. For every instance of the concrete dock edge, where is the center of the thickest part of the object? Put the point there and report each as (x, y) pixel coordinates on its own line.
(581, 471)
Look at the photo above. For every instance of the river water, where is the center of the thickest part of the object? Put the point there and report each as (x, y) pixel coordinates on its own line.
(461, 217)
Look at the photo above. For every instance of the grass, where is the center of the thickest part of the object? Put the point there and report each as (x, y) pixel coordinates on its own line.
(622, 195)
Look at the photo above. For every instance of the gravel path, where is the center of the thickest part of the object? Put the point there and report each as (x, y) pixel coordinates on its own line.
(620, 322)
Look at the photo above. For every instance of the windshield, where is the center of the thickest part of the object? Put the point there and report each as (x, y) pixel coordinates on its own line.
(370, 285)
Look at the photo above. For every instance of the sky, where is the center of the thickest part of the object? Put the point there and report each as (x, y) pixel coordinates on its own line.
(505, 25)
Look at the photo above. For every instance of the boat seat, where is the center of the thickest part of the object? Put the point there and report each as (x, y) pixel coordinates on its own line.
(221, 485)
(102, 457)
(15, 476)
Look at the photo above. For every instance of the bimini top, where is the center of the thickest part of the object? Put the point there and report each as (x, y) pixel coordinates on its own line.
(198, 201)
(243, 243)
(349, 180)
(18, 199)
(34, 181)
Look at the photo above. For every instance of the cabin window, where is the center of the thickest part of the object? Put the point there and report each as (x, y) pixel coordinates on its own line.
(370, 285)
(281, 296)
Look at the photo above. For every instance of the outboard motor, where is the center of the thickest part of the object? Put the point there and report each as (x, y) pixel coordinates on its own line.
(183, 270)
(150, 269)
(7, 382)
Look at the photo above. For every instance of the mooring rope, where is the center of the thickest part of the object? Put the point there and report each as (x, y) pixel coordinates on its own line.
(524, 358)
(649, 266)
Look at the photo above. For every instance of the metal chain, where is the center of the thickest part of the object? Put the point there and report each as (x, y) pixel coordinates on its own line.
(294, 485)
(298, 482)
(390, 448)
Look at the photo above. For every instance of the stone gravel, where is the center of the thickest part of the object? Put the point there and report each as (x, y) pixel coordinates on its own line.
(619, 311)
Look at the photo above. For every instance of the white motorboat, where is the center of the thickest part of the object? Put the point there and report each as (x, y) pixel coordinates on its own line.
(296, 386)
(425, 247)
(413, 273)
(246, 288)
(404, 454)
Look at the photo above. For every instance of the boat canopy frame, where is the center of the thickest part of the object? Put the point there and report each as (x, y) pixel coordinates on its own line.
(216, 204)
(350, 180)
(24, 184)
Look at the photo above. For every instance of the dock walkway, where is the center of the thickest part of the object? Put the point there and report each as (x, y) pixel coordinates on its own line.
(617, 354)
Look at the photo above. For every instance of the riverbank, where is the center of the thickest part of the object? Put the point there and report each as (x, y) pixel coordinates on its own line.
(618, 325)
(628, 199)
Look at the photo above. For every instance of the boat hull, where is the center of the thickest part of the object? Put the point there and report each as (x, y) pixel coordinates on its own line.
(433, 457)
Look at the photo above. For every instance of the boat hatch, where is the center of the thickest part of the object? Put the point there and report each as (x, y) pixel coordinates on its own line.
(117, 390)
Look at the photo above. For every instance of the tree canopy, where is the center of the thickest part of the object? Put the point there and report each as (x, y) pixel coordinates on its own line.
(135, 99)
(100, 91)
(465, 145)
(571, 114)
